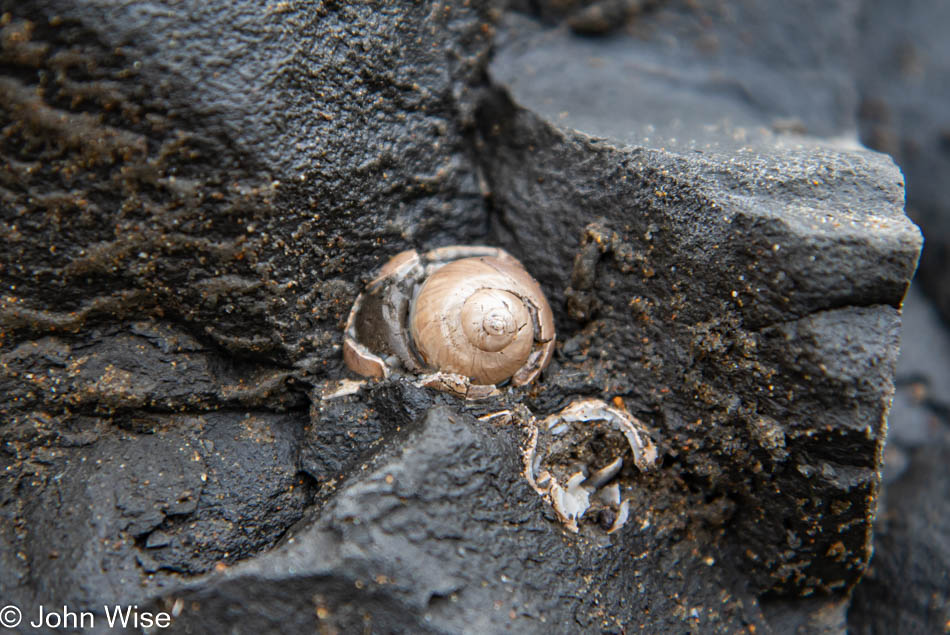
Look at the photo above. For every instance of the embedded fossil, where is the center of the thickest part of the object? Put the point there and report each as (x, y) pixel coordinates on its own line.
(575, 460)
(463, 318)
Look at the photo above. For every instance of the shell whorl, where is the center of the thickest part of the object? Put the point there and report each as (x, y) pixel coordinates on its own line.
(477, 317)
(492, 319)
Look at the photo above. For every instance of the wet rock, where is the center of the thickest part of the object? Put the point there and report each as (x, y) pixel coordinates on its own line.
(120, 517)
(193, 195)
(190, 198)
(117, 432)
(344, 433)
(234, 166)
(443, 534)
(745, 283)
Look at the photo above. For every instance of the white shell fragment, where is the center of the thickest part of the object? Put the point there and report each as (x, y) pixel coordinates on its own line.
(340, 388)
(571, 502)
(605, 475)
(621, 517)
(568, 469)
(501, 417)
(458, 385)
(610, 495)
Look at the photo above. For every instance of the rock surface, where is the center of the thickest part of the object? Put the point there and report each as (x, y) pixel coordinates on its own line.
(194, 193)
(234, 167)
(719, 276)
(905, 86)
(442, 534)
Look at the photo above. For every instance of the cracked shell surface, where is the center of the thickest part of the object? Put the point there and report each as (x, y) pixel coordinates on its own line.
(473, 317)
(461, 316)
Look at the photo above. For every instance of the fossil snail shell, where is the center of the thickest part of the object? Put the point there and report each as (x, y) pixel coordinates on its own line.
(473, 317)
(466, 312)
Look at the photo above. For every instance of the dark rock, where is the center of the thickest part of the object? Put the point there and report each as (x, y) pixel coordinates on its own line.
(817, 615)
(590, 17)
(237, 167)
(907, 588)
(732, 314)
(345, 433)
(905, 90)
(905, 87)
(199, 490)
(192, 195)
(925, 351)
(443, 534)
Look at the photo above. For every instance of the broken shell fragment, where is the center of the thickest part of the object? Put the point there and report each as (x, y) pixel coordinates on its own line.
(581, 459)
(463, 319)
(622, 516)
(340, 388)
(605, 475)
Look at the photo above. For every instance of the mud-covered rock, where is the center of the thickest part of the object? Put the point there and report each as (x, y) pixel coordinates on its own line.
(191, 196)
(234, 166)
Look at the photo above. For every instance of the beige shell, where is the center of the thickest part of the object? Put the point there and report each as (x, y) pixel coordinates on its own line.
(476, 316)
(470, 316)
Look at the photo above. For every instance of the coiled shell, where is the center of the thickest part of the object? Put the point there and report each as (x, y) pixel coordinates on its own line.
(465, 315)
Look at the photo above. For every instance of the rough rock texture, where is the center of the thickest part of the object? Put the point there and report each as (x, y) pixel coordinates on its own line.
(721, 277)
(442, 534)
(234, 167)
(193, 193)
(191, 196)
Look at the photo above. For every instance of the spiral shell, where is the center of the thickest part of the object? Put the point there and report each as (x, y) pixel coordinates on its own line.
(466, 315)
(473, 317)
